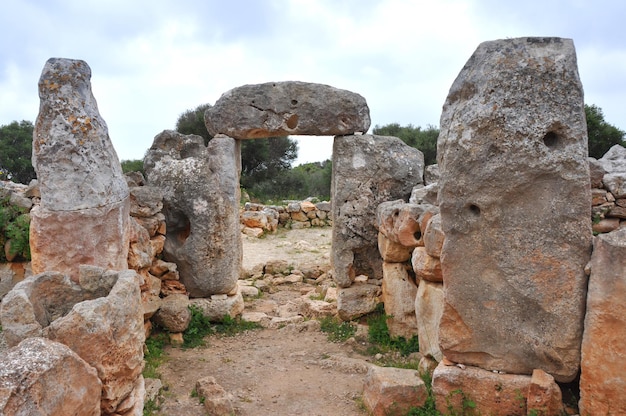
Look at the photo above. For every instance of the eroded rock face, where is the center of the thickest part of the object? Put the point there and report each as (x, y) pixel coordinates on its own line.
(200, 186)
(277, 109)
(43, 377)
(367, 170)
(100, 319)
(603, 369)
(84, 207)
(515, 206)
(393, 391)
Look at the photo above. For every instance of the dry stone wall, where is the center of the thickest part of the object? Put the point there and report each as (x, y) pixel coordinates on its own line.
(257, 219)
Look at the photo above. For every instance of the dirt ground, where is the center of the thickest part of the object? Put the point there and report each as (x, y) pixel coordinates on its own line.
(293, 370)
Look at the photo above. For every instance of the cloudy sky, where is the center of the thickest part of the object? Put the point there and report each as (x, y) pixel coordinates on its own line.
(152, 60)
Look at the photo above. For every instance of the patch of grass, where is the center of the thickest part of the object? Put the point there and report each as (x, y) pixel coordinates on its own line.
(317, 296)
(233, 326)
(154, 355)
(468, 406)
(150, 407)
(378, 334)
(336, 330)
(429, 408)
(199, 327)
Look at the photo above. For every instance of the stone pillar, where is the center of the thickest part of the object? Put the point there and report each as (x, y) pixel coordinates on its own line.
(367, 170)
(200, 186)
(515, 206)
(603, 369)
(84, 212)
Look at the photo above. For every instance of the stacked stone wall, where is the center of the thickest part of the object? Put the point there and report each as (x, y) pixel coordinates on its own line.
(258, 219)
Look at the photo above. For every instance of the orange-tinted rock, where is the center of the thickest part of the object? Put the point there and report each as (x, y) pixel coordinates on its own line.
(391, 251)
(84, 210)
(62, 240)
(490, 393)
(544, 395)
(515, 209)
(399, 298)
(428, 311)
(426, 267)
(392, 391)
(43, 377)
(434, 237)
(603, 366)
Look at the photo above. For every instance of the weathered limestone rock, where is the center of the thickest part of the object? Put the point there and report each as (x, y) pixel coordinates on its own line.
(614, 163)
(11, 274)
(603, 369)
(398, 295)
(392, 391)
(145, 201)
(401, 222)
(367, 170)
(428, 311)
(174, 314)
(515, 207)
(426, 267)
(287, 108)
(544, 395)
(392, 252)
(217, 401)
(218, 306)
(492, 393)
(43, 377)
(200, 187)
(84, 211)
(357, 300)
(434, 237)
(108, 333)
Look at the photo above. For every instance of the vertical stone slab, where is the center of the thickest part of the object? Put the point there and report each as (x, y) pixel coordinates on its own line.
(367, 170)
(515, 205)
(603, 368)
(83, 216)
(200, 186)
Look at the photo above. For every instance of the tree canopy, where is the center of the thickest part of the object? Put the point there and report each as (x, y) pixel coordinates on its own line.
(424, 140)
(16, 146)
(602, 135)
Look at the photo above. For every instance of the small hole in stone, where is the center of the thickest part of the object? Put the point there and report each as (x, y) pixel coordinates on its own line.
(396, 213)
(551, 139)
(474, 209)
(417, 235)
(294, 102)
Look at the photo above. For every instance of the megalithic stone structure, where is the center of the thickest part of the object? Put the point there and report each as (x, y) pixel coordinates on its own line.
(84, 212)
(515, 208)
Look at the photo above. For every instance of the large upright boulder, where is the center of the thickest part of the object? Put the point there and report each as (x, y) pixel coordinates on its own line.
(367, 170)
(84, 211)
(200, 186)
(603, 369)
(515, 206)
(283, 108)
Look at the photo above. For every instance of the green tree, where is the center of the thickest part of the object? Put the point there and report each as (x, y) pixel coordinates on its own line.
(424, 140)
(602, 135)
(16, 146)
(260, 158)
(135, 165)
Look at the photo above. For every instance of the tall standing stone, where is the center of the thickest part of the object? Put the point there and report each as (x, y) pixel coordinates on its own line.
(200, 186)
(84, 211)
(603, 369)
(515, 206)
(367, 170)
